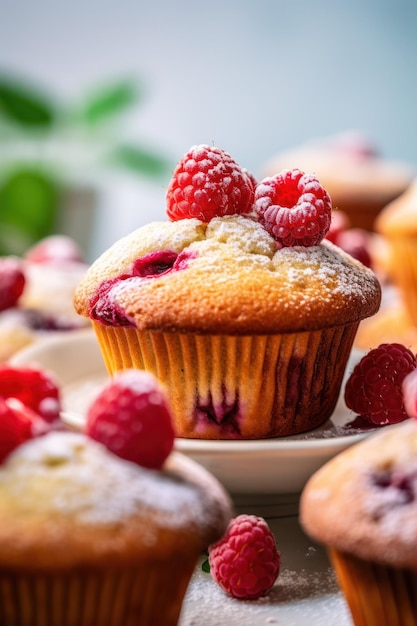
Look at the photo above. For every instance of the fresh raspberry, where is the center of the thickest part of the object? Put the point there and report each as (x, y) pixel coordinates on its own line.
(374, 389)
(131, 416)
(35, 388)
(294, 208)
(245, 562)
(208, 183)
(55, 248)
(410, 394)
(12, 282)
(15, 427)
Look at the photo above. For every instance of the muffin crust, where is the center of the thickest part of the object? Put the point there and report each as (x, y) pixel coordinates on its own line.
(364, 501)
(231, 277)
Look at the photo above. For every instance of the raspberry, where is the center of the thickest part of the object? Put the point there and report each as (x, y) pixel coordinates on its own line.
(56, 248)
(15, 427)
(12, 282)
(374, 389)
(35, 388)
(410, 394)
(245, 562)
(131, 416)
(208, 183)
(294, 208)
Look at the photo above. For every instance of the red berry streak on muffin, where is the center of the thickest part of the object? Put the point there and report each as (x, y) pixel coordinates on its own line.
(103, 306)
(132, 418)
(206, 183)
(245, 562)
(294, 208)
(374, 390)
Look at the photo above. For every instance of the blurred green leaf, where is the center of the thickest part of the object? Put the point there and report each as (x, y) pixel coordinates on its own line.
(25, 105)
(141, 160)
(28, 205)
(109, 101)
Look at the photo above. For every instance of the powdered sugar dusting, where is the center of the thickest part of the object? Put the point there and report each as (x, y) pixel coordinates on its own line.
(298, 598)
(336, 272)
(69, 474)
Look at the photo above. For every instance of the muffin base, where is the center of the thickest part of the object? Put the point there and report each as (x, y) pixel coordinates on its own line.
(238, 387)
(377, 595)
(147, 596)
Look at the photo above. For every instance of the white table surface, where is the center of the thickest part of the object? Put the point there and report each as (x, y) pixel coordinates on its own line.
(305, 593)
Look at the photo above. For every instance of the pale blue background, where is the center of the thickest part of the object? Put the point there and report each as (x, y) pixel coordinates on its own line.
(253, 77)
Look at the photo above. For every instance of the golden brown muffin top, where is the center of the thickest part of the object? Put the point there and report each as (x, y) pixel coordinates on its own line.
(400, 216)
(364, 501)
(228, 277)
(65, 501)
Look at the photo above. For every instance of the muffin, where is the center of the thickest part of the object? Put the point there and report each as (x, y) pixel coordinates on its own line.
(397, 223)
(251, 337)
(362, 505)
(88, 538)
(392, 324)
(36, 294)
(358, 178)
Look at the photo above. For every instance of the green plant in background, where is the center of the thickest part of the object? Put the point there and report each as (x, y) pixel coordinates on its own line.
(46, 146)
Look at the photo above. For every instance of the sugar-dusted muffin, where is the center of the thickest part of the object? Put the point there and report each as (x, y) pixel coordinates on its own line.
(362, 505)
(250, 337)
(36, 294)
(359, 179)
(397, 223)
(91, 537)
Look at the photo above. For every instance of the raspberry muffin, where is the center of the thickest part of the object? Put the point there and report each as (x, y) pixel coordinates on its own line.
(100, 532)
(358, 178)
(362, 505)
(397, 223)
(235, 303)
(36, 294)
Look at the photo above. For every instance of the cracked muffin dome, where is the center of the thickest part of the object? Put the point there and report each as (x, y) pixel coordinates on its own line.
(232, 323)
(223, 277)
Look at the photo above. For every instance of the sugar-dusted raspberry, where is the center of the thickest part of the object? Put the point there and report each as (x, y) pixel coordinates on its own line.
(131, 416)
(294, 208)
(208, 183)
(245, 562)
(34, 387)
(15, 427)
(12, 282)
(374, 389)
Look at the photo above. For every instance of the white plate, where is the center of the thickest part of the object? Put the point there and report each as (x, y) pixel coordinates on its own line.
(280, 465)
